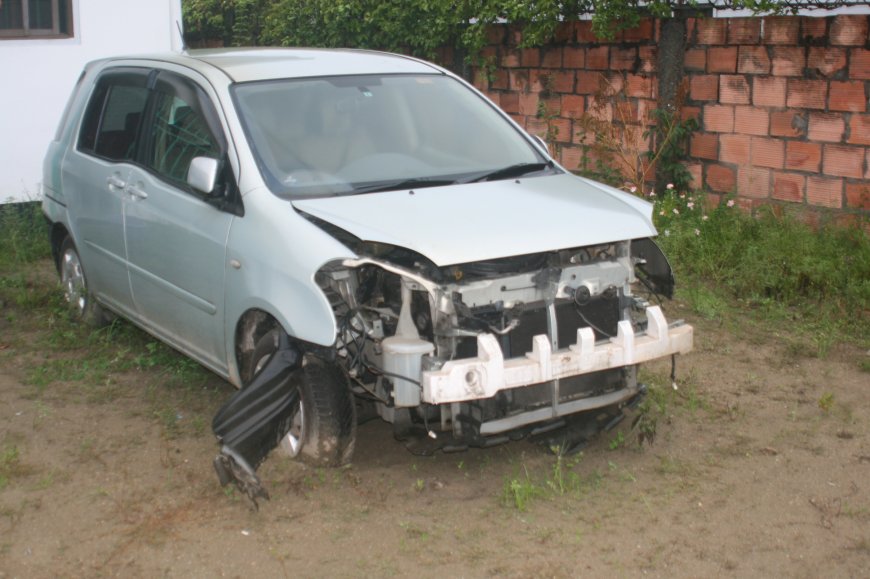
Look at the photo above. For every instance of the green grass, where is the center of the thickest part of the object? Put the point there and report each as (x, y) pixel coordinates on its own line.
(815, 282)
(23, 235)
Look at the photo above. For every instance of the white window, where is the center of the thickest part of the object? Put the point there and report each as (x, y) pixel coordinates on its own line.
(35, 19)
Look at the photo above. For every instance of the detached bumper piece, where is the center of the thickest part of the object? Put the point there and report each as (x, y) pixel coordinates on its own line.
(489, 373)
(254, 420)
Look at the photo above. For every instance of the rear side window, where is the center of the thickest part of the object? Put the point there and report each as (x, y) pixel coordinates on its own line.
(114, 115)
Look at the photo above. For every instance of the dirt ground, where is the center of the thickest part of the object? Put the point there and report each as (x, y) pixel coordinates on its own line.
(760, 467)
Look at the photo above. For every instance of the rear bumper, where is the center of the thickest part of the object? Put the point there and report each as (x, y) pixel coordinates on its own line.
(489, 373)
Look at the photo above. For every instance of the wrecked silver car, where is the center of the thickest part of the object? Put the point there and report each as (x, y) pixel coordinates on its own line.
(346, 235)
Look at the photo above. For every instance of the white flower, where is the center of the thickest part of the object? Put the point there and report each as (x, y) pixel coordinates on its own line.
(652, 193)
(667, 232)
(676, 211)
(704, 218)
(670, 186)
(633, 189)
(662, 212)
(697, 231)
(690, 204)
(730, 203)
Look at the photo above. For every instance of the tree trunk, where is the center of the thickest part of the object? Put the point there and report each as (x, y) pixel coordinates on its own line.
(671, 52)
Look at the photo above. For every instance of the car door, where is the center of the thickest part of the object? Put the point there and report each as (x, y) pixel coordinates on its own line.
(95, 175)
(176, 238)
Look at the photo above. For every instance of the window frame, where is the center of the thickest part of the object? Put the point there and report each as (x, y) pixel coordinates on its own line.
(26, 32)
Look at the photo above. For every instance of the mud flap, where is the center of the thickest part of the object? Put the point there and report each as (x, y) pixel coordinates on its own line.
(254, 420)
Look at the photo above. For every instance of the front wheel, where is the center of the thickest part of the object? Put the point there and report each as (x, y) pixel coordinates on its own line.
(323, 426)
(75, 286)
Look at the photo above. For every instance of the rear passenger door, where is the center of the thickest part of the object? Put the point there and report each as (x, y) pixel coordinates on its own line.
(176, 238)
(95, 175)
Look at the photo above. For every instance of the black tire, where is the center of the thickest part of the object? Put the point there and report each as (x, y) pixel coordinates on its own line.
(323, 429)
(75, 286)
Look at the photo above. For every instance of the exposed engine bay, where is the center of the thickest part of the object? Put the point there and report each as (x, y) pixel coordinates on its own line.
(471, 354)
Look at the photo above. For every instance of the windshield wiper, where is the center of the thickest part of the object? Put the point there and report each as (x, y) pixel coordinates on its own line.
(402, 184)
(510, 171)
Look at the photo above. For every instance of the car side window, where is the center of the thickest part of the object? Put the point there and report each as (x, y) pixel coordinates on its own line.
(110, 128)
(180, 129)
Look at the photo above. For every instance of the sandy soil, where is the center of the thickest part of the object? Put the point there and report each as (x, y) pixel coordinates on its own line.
(760, 467)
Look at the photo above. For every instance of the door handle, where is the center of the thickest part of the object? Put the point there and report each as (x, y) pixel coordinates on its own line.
(136, 193)
(115, 183)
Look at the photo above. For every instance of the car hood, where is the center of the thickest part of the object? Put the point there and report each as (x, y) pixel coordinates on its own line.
(489, 220)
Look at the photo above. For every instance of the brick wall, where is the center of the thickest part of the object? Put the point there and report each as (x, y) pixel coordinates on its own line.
(782, 102)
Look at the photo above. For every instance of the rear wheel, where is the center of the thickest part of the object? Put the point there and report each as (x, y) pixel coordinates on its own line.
(323, 425)
(75, 286)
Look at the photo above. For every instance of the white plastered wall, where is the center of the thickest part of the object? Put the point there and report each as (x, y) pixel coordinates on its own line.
(38, 77)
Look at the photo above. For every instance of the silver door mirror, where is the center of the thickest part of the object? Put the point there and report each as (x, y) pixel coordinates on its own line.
(203, 173)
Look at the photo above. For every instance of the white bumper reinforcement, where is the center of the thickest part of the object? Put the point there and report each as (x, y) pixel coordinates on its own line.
(489, 372)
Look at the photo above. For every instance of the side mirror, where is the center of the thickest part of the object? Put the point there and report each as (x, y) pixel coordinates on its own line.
(202, 174)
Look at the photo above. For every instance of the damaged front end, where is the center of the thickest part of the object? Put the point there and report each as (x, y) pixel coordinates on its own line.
(477, 353)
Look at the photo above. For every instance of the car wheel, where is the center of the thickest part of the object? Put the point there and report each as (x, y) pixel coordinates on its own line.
(323, 426)
(75, 286)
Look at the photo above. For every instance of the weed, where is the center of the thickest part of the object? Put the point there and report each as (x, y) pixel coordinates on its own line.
(23, 234)
(419, 485)
(518, 491)
(826, 402)
(617, 441)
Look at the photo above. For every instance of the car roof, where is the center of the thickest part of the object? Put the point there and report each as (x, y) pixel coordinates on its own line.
(253, 64)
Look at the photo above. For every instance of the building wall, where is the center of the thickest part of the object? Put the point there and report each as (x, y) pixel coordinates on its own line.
(38, 76)
(782, 102)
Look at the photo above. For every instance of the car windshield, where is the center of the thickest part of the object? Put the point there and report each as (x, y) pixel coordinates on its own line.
(359, 134)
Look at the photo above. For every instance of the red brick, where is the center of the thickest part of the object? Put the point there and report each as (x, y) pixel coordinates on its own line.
(696, 171)
(858, 195)
(826, 61)
(500, 79)
(788, 186)
(781, 30)
(753, 60)
(597, 58)
(827, 127)
(721, 178)
(563, 81)
(644, 111)
(588, 82)
(787, 124)
(849, 30)
(859, 130)
(813, 27)
(560, 130)
(536, 126)
(510, 58)
(539, 79)
(510, 103)
(733, 89)
(529, 104)
(843, 161)
(530, 57)
(768, 91)
(638, 86)
(722, 59)
(571, 157)
(803, 156)
(711, 30)
(583, 32)
(519, 80)
(690, 113)
(847, 96)
(623, 58)
(825, 192)
(494, 97)
(704, 146)
(552, 58)
(806, 94)
(695, 59)
(734, 149)
(753, 182)
(573, 57)
(867, 165)
(859, 68)
(768, 152)
(480, 80)
(643, 31)
(647, 56)
(751, 120)
(704, 87)
(744, 30)
(789, 60)
(573, 106)
(718, 118)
